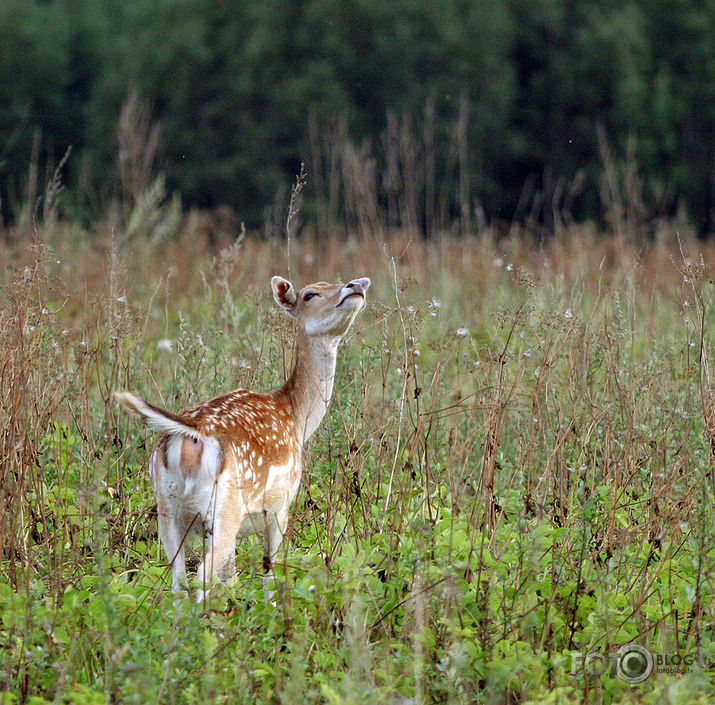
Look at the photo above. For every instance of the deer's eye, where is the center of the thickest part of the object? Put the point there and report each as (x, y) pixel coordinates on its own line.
(309, 295)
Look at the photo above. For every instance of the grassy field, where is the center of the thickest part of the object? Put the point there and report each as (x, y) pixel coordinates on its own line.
(514, 479)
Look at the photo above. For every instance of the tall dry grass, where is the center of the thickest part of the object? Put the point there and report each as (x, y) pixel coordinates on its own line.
(517, 462)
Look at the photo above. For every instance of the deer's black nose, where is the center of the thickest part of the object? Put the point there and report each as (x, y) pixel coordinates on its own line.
(361, 284)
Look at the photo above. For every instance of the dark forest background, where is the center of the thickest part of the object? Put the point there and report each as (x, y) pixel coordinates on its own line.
(452, 111)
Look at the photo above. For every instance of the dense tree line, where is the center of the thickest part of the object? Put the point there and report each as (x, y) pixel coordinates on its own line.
(497, 106)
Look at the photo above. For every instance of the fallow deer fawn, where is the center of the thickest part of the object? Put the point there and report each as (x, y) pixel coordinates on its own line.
(231, 466)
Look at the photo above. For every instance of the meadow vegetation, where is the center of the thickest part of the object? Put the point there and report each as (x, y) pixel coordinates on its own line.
(516, 466)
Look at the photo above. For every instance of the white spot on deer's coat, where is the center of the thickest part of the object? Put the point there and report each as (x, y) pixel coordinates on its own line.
(276, 471)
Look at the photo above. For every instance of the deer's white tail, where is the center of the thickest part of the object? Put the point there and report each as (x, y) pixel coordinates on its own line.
(158, 418)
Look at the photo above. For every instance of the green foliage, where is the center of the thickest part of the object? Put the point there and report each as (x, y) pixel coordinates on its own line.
(497, 104)
(405, 577)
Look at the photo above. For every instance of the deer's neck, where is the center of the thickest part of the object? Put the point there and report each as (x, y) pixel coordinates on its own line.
(310, 386)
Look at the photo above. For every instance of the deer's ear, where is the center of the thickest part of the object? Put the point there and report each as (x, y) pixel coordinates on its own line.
(284, 295)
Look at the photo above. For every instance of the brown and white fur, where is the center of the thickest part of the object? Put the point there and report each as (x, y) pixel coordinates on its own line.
(231, 466)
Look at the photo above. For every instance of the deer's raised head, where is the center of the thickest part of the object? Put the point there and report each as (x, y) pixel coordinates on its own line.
(323, 310)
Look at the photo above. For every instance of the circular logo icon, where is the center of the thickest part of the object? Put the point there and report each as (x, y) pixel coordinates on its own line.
(634, 663)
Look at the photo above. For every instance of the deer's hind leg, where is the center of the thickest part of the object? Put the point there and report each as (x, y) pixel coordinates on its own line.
(172, 532)
(172, 536)
(220, 544)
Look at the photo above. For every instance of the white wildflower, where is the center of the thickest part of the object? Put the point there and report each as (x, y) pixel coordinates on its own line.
(509, 267)
(121, 299)
(165, 345)
(568, 313)
(462, 332)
